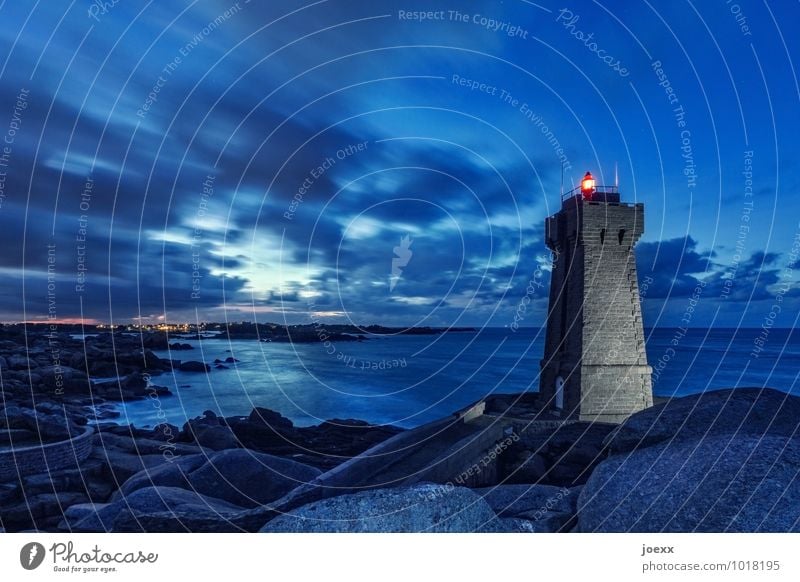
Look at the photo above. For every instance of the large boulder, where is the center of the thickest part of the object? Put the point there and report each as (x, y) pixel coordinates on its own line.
(210, 431)
(239, 476)
(250, 479)
(527, 501)
(722, 483)
(123, 514)
(532, 508)
(217, 438)
(740, 411)
(193, 366)
(172, 474)
(419, 508)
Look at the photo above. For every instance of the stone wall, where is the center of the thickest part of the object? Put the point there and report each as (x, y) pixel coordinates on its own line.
(29, 460)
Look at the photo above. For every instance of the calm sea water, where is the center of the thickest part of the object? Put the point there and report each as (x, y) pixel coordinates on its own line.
(410, 380)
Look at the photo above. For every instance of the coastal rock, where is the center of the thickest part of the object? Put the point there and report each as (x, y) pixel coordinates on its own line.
(44, 427)
(529, 500)
(742, 483)
(38, 507)
(250, 479)
(174, 474)
(63, 377)
(528, 468)
(740, 411)
(155, 341)
(180, 346)
(123, 514)
(217, 437)
(244, 478)
(270, 418)
(74, 514)
(418, 508)
(119, 466)
(20, 362)
(192, 366)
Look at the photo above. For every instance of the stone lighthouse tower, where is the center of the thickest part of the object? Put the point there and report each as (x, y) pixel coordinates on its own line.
(595, 365)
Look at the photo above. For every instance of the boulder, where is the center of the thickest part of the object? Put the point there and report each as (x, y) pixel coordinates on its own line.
(63, 378)
(419, 508)
(180, 346)
(528, 500)
(173, 474)
(97, 514)
(193, 366)
(529, 468)
(239, 476)
(270, 418)
(740, 411)
(742, 483)
(123, 514)
(210, 431)
(38, 507)
(250, 479)
(216, 438)
(121, 466)
(20, 362)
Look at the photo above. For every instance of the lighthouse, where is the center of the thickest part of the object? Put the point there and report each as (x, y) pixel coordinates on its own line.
(595, 365)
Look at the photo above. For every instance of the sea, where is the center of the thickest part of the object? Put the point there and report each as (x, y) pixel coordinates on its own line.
(408, 380)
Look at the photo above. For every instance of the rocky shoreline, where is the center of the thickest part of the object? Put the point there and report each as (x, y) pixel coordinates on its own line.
(725, 460)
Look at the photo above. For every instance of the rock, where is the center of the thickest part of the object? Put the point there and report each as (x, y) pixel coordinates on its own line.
(193, 366)
(516, 525)
(9, 491)
(530, 469)
(418, 508)
(40, 506)
(741, 411)
(173, 474)
(121, 466)
(231, 360)
(529, 500)
(65, 378)
(250, 479)
(122, 515)
(19, 362)
(180, 346)
(97, 513)
(270, 418)
(19, 437)
(155, 341)
(73, 479)
(742, 483)
(244, 478)
(215, 437)
(210, 431)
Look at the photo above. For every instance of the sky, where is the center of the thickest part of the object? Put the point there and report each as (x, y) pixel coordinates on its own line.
(390, 162)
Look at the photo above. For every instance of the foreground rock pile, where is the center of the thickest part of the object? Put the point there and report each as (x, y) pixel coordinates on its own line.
(727, 460)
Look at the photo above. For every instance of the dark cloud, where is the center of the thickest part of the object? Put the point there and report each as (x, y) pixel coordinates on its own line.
(265, 103)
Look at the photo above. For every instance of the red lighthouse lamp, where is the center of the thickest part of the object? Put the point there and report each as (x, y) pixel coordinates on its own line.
(588, 185)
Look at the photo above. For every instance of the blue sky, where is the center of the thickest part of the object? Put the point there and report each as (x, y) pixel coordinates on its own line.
(464, 119)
